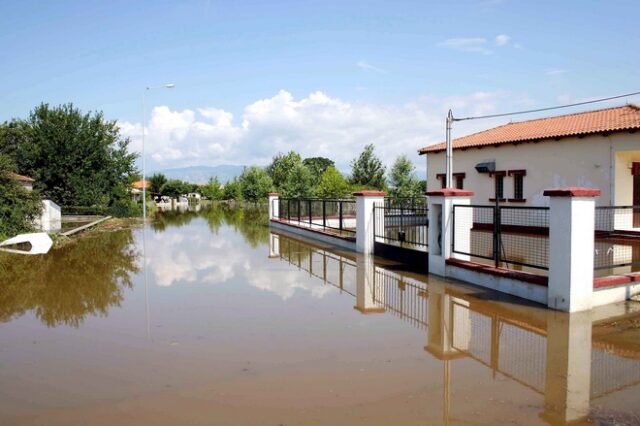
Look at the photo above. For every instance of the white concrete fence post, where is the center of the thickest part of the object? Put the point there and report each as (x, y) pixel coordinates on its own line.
(365, 200)
(274, 205)
(571, 245)
(440, 204)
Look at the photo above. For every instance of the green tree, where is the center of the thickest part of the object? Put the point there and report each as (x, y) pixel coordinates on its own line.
(255, 184)
(317, 166)
(298, 183)
(232, 190)
(175, 188)
(281, 167)
(402, 179)
(12, 133)
(212, 189)
(367, 170)
(157, 181)
(332, 184)
(18, 207)
(75, 158)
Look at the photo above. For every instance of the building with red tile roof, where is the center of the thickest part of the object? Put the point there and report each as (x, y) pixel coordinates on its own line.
(514, 163)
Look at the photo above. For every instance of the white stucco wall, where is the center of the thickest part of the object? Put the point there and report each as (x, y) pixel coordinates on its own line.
(591, 162)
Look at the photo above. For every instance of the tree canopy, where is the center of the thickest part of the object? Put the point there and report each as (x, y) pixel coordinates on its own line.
(367, 170)
(332, 184)
(317, 166)
(75, 158)
(255, 184)
(281, 167)
(156, 182)
(403, 182)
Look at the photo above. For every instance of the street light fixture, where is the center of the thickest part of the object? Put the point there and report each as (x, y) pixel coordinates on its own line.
(144, 125)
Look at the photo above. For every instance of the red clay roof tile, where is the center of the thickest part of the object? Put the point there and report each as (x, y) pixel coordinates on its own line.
(607, 120)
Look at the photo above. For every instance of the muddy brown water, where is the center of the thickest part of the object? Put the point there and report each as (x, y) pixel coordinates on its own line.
(209, 319)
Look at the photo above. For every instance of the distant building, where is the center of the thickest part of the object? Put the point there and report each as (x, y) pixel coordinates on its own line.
(516, 162)
(137, 187)
(25, 181)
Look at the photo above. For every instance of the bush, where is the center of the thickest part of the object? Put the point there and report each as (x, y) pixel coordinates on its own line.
(18, 207)
(125, 208)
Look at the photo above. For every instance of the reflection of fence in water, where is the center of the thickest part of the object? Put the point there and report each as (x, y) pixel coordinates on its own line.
(332, 269)
(523, 355)
(402, 296)
(472, 333)
(516, 352)
(610, 373)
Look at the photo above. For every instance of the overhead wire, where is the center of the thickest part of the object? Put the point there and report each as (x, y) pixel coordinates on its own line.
(547, 108)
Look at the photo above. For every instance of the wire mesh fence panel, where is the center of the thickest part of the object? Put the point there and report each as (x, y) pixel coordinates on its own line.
(401, 226)
(613, 256)
(473, 231)
(609, 219)
(614, 252)
(524, 236)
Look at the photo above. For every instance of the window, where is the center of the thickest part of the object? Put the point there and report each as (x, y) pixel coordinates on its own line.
(518, 181)
(458, 179)
(498, 182)
(499, 194)
(518, 185)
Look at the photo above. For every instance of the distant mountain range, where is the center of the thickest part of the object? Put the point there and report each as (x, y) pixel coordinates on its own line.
(201, 174)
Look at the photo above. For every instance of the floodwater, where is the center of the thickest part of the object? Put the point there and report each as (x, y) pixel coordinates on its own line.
(207, 318)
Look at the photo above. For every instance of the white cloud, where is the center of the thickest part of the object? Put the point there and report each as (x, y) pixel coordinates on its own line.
(502, 39)
(555, 71)
(363, 65)
(471, 44)
(316, 125)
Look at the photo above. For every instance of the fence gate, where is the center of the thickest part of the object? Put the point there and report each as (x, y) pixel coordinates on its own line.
(401, 231)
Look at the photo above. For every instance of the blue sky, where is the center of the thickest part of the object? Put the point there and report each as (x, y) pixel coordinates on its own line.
(323, 77)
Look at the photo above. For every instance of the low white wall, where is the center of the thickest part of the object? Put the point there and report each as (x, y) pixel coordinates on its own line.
(318, 236)
(533, 292)
(51, 218)
(604, 296)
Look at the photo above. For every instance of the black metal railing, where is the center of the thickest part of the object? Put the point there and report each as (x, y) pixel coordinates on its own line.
(613, 248)
(509, 236)
(401, 226)
(328, 215)
(407, 202)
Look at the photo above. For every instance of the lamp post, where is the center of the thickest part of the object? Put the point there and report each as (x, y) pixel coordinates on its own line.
(144, 124)
(449, 166)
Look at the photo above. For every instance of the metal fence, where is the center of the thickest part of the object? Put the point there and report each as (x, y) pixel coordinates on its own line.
(401, 226)
(609, 219)
(334, 216)
(613, 249)
(510, 236)
(407, 202)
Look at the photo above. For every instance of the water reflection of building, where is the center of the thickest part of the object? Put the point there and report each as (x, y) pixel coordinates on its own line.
(573, 362)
